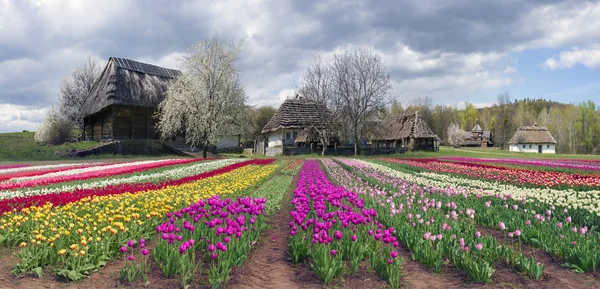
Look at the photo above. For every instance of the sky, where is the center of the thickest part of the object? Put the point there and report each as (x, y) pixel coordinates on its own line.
(452, 51)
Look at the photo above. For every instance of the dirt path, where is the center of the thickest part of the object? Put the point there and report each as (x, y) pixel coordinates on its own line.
(554, 275)
(268, 265)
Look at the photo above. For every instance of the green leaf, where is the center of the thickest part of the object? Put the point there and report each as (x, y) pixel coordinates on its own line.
(38, 272)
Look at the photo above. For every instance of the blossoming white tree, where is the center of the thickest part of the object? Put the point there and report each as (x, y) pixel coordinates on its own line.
(207, 97)
(455, 135)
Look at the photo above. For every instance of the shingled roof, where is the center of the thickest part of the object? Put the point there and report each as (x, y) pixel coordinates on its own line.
(402, 126)
(298, 113)
(533, 134)
(128, 82)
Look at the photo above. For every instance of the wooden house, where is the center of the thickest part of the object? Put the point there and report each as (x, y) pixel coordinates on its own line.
(124, 99)
(407, 130)
(292, 118)
(533, 139)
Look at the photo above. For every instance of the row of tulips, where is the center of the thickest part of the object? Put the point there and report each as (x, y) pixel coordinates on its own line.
(583, 206)
(564, 164)
(292, 167)
(215, 234)
(222, 230)
(152, 176)
(333, 228)
(519, 177)
(80, 237)
(431, 224)
(18, 168)
(4, 167)
(533, 223)
(91, 172)
(31, 173)
(62, 198)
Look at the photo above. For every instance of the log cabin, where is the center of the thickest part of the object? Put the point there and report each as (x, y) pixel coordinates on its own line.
(124, 99)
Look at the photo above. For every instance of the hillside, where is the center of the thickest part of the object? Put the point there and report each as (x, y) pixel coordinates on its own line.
(21, 147)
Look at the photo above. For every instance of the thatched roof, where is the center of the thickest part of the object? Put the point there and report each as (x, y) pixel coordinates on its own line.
(533, 134)
(128, 82)
(298, 113)
(402, 126)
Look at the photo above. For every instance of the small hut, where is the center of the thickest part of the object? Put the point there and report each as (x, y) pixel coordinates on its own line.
(293, 116)
(533, 139)
(407, 130)
(124, 99)
(478, 137)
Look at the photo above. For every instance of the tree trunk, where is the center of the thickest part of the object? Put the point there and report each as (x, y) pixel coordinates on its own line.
(356, 144)
(324, 148)
(205, 150)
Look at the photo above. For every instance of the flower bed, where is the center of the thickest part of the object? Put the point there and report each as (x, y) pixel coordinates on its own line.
(332, 227)
(89, 172)
(519, 177)
(151, 176)
(434, 224)
(80, 236)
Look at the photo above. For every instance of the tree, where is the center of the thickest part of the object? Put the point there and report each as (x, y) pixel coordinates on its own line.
(503, 101)
(208, 95)
(56, 128)
(317, 85)
(361, 81)
(455, 135)
(75, 89)
(587, 126)
(468, 117)
(259, 118)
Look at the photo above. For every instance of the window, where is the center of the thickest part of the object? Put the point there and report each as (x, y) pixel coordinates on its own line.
(529, 146)
(523, 146)
(288, 135)
(295, 134)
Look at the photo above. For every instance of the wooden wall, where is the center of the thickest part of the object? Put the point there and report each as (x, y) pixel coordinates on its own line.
(127, 122)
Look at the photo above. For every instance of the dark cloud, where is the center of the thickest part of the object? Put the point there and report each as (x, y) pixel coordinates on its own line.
(452, 43)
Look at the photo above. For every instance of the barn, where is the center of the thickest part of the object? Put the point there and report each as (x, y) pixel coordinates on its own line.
(124, 99)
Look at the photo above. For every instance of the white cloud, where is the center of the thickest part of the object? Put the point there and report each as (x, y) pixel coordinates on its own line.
(15, 118)
(285, 94)
(590, 58)
(566, 24)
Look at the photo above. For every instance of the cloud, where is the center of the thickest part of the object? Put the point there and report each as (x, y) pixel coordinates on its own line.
(17, 118)
(590, 58)
(442, 49)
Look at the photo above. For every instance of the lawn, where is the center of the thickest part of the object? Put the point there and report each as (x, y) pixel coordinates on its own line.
(21, 147)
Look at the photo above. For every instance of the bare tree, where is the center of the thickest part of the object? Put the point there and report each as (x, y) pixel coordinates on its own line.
(455, 135)
(317, 85)
(75, 89)
(207, 97)
(361, 81)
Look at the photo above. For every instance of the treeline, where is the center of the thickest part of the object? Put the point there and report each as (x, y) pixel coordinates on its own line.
(576, 127)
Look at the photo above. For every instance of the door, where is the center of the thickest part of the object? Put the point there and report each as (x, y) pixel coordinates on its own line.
(539, 148)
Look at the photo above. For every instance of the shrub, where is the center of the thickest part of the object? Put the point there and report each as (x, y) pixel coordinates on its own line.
(56, 129)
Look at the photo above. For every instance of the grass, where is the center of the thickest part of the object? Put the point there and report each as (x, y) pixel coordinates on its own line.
(21, 148)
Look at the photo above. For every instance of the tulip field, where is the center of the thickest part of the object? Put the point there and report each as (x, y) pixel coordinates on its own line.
(333, 222)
